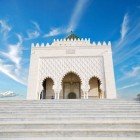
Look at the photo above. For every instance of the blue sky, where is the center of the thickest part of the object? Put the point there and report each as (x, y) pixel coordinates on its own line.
(25, 21)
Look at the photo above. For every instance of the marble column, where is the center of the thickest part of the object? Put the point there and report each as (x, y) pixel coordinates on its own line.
(58, 95)
(87, 95)
(55, 95)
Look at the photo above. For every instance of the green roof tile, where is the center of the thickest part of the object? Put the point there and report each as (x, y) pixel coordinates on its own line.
(72, 36)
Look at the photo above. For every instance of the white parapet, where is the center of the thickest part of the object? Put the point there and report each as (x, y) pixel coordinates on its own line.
(109, 43)
(73, 43)
(104, 43)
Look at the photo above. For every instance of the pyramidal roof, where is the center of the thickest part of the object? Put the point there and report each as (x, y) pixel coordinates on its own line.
(72, 36)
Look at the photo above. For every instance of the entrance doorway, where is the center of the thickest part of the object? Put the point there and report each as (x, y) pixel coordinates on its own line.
(72, 95)
(71, 86)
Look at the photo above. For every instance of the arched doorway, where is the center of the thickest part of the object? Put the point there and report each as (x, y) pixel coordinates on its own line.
(71, 84)
(95, 91)
(72, 95)
(48, 92)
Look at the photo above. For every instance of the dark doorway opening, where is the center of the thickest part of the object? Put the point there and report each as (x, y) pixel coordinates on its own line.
(72, 95)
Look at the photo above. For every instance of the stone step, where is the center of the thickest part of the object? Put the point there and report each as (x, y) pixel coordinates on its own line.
(68, 103)
(64, 118)
(70, 125)
(70, 111)
(69, 133)
(75, 138)
(70, 100)
(63, 101)
(66, 115)
(69, 106)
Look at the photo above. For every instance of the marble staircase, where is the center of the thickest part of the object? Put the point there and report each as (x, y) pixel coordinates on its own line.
(83, 119)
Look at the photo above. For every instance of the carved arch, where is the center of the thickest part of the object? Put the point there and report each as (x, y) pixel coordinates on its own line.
(73, 73)
(101, 82)
(95, 77)
(74, 77)
(47, 78)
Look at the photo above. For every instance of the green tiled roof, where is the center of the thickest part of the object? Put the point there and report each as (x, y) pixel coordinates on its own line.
(72, 36)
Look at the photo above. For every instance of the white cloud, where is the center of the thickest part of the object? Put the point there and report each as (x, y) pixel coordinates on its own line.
(128, 86)
(10, 59)
(4, 29)
(36, 25)
(125, 26)
(7, 94)
(134, 72)
(9, 70)
(34, 32)
(126, 47)
(76, 15)
(74, 20)
(14, 52)
(54, 32)
(128, 54)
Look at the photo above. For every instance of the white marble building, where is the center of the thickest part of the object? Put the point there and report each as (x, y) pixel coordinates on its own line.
(71, 68)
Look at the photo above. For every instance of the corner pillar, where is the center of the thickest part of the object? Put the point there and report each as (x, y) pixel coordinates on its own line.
(109, 76)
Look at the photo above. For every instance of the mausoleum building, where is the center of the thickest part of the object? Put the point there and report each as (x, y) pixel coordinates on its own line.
(71, 68)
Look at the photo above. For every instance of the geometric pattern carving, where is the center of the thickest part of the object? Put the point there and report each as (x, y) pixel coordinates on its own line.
(84, 67)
